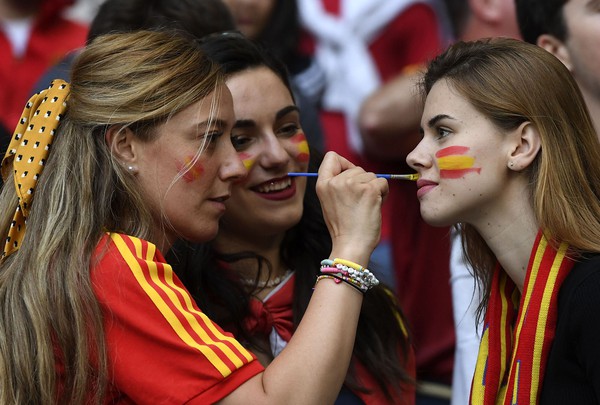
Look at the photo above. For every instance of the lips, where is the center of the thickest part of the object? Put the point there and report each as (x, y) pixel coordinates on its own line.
(424, 186)
(220, 199)
(280, 188)
(219, 203)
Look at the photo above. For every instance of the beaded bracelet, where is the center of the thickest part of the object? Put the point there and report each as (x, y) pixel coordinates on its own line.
(349, 272)
(337, 281)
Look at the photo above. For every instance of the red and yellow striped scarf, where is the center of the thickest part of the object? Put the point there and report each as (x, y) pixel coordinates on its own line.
(519, 329)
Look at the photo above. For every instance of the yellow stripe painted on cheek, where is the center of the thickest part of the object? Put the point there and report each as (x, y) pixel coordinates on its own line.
(455, 162)
(248, 163)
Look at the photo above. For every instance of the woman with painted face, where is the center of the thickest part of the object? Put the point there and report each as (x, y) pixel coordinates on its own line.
(101, 177)
(266, 255)
(510, 154)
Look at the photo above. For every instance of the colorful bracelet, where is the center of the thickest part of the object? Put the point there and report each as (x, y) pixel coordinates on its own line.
(338, 280)
(350, 273)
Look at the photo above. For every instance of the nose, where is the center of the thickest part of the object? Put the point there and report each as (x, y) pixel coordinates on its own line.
(418, 158)
(232, 167)
(273, 153)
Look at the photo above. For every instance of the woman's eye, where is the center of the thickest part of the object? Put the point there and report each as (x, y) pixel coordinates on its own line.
(240, 142)
(212, 137)
(442, 133)
(288, 130)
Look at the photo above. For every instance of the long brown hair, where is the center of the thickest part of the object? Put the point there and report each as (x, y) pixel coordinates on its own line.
(48, 308)
(512, 82)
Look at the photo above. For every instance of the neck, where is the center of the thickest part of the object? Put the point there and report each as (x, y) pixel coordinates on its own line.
(510, 233)
(267, 247)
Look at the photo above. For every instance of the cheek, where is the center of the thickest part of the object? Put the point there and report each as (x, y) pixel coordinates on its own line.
(190, 170)
(300, 148)
(454, 163)
(247, 159)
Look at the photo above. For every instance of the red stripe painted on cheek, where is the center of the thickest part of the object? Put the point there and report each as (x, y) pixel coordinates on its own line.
(299, 137)
(247, 159)
(303, 154)
(457, 174)
(452, 150)
(192, 173)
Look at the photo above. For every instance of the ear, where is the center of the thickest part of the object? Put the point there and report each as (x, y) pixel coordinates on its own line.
(525, 147)
(557, 48)
(123, 145)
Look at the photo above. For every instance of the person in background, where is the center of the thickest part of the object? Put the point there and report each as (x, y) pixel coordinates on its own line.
(275, 24)
(108, 172)
(568, 29)
(84, 10)
(503, 124)
(266, 255)
(199, 18)
(33, 36)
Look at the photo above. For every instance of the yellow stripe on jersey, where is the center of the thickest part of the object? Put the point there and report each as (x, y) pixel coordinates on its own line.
(190, 311)
(167, 311)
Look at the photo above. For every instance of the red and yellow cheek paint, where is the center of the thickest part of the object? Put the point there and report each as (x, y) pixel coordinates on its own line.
(454, 164)
(299, 140)
(247, 159)
(190, 170)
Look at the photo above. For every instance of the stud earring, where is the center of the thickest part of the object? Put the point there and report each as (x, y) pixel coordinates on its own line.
(130, 168)
(511, 164)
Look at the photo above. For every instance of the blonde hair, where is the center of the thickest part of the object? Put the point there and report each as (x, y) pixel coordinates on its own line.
(48, 307)
(512, 82)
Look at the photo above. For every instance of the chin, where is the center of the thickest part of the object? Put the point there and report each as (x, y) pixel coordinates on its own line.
(204, 235)
(436, 220)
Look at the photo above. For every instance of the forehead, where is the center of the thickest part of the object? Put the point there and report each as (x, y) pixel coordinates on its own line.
(443, 98)
(257, 89)
(572, 9)
(216, 107)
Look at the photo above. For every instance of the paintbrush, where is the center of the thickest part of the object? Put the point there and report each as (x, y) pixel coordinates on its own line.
(413, 176)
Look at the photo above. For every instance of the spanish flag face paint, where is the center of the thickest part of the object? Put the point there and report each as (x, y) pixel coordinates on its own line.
(190, 170)
(247, 159)
(454, 163)
(299, 140)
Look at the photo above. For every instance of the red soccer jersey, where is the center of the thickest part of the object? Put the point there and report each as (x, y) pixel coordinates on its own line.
(161, 348)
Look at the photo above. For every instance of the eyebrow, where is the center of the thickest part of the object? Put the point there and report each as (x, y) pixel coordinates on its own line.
(431, 123)
(244, 123)
(286, 110)
(207, 124)
(249, 123)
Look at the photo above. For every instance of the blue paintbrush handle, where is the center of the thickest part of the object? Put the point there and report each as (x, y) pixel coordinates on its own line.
(413, 176)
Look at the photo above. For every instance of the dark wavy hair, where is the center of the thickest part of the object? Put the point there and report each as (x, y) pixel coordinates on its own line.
(537, 17)
(224, 299)
(198, 18)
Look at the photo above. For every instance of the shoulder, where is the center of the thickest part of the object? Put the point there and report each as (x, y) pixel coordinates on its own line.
(119, 258)
(118, 246)
(579, 292)
(584, 273)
